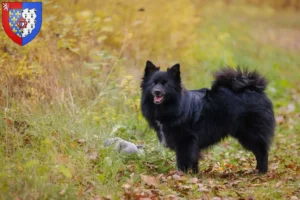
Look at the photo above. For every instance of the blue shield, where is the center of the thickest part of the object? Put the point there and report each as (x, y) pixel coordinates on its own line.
(22, 21)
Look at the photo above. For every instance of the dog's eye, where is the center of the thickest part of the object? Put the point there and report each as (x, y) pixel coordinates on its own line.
(155, 82)
(164, 83)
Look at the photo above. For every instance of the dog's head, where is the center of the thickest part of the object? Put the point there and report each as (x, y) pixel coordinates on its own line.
(161, 86)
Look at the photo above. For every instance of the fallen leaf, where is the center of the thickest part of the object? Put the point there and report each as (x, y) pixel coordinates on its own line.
(81, 141)
(126, 186)
(279, 119)
(93, 155)
(193, 180)
(274, 166)
(228, 165)
(291, 165)
(8, 121)
(89, 187)
(150, 180)
(209, 169)
(250, 197)
(150, 166)
(234, 183)
(63, 190)
(172, 197)
(106, 197)
(202, 188)
(290, 108)
(278, 184)
(131, 167)
(179, 173)
(176, 177)
(96, 198)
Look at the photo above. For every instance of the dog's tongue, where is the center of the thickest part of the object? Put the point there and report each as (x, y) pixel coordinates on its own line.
(158, 99)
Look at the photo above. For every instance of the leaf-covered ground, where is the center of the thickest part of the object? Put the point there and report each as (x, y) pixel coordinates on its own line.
(77, 84)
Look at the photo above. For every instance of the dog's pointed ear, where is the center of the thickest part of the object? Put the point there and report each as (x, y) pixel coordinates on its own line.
(175, 71)
(150, 68)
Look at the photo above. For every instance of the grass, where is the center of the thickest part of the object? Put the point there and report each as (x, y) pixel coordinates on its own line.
(77, 84)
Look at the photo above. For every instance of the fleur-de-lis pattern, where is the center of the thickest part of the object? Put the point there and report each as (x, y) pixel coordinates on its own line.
(28, 14)
(14, 16)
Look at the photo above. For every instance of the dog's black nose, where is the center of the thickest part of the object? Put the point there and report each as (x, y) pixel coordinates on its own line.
(157, 92)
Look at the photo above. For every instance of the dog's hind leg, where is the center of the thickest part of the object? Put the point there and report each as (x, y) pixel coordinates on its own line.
(255, 132)
(261, 159)
(259, 148)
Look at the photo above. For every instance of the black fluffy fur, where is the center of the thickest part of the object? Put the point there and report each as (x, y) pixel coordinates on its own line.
(188, 121)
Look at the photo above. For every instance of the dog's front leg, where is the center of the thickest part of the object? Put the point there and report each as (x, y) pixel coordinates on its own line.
(187, 156)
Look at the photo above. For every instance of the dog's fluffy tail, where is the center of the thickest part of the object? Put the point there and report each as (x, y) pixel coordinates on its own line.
(239, 79)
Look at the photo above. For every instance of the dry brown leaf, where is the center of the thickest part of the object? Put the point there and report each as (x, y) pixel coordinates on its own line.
(228, 165)
(96, 198)
(250, 197)
(274, 166)
(126, 186)
(291, 108)
(63, 190)
(179, 173)
(131, 167)
(8, 121)
(234, 183)
(81, 141)
(150, 180)
(279, 119)
(185, 187)
(291, 165)
(193, 180)
(160, 176)
(93, 155)
(172, 197)
(176, 177)
(202, 188)
(278, 184)
(108, 197)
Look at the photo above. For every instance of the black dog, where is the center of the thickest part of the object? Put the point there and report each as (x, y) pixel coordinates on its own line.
(188, 121)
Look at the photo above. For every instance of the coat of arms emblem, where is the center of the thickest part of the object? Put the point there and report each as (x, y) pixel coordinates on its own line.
(22, 21)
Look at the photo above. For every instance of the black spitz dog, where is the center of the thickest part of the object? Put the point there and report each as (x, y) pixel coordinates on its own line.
(188, 121)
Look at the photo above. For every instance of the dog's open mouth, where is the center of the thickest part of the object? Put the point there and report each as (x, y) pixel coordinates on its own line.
(158, 99)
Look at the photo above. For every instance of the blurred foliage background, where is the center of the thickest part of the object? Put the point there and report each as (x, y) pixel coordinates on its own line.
(78, 80)
(91, 41)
